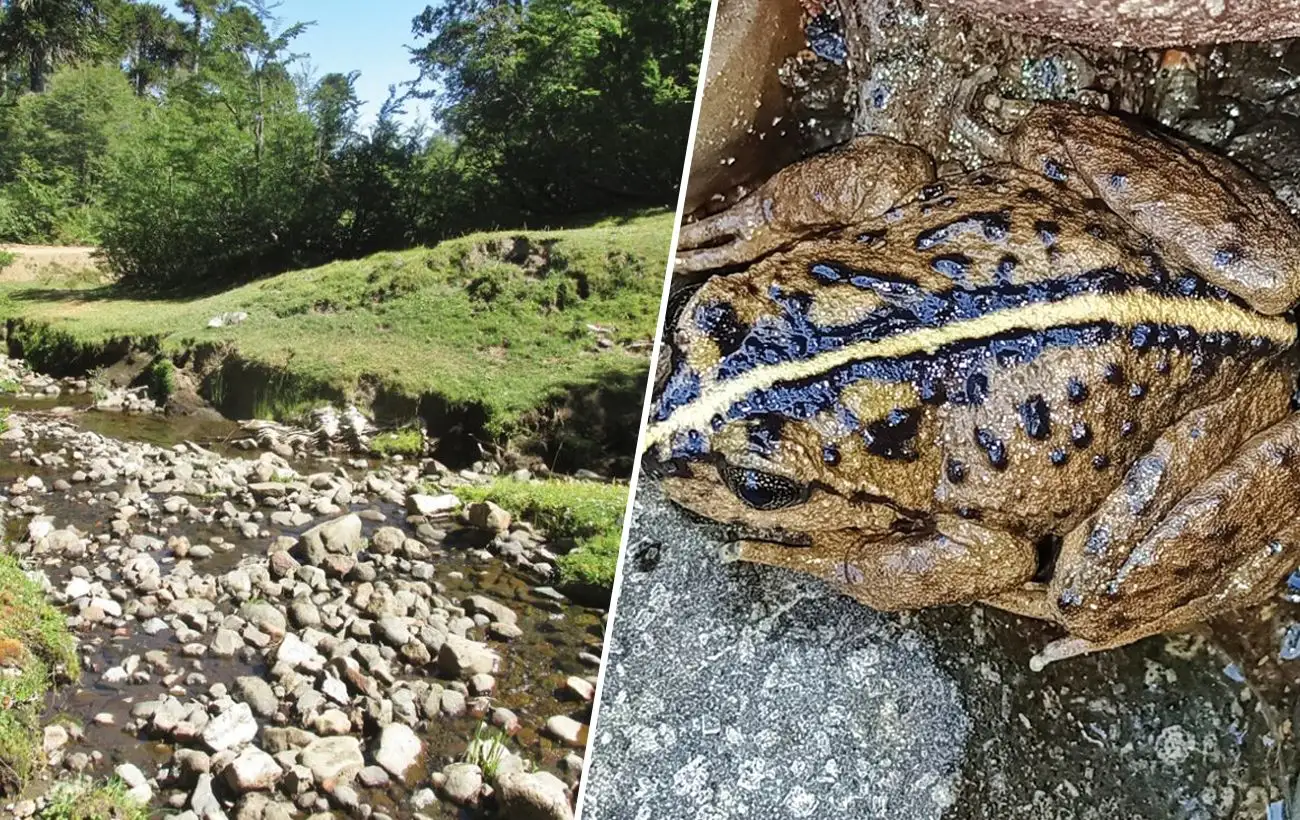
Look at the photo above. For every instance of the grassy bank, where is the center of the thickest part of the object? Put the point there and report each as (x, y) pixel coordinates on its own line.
(502, 322)
(588, 512)
(35, 646)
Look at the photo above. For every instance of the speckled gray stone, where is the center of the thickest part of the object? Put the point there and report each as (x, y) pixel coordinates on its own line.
(740, 691)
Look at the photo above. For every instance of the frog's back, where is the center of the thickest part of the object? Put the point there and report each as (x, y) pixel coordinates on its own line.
(998, 347)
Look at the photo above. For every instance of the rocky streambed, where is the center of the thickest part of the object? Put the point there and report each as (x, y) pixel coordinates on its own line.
(265, 637)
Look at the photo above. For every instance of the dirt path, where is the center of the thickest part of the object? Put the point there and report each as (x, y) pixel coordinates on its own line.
(38, 262)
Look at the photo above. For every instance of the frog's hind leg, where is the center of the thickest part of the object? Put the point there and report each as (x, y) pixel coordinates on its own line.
(1186, 535)
(958, 562)
(855, 182)
(1203, 210)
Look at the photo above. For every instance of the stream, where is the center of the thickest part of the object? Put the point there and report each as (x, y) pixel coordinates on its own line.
(263, 637)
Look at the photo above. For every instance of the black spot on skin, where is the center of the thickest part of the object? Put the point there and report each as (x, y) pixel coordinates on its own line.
(1081, 434)
(871, 239)
(993, 447)
(970, 513)
(1114, 374)
(719, 322)
(1118, 180)
(1032, 195)
(1227, 532)
(1076, 390)
(1142, 336)
(1226, 255)
(1137, 391)
(977, 388)
(1100, 462)
(983, 179)
(765, 433)
(1047, 231)
(1128, 428)
(1096, 231)
(1162, 365)
(1006, 269)
(1068, 599)
(717, 422)
(830, 454)
(894, 436)
(647, 556)
(929, 192)
(1059, 457)
(931, 391)
(1053, 170)
(955, 266)
(1036, 417)
(992, 225)
(955, 470)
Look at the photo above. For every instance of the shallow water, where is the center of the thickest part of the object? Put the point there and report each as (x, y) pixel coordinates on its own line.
(529, 682)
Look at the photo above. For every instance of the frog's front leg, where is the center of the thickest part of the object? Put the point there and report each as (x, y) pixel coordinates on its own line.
(1188, 533)
(849, 184)
(1203, 210)
(958, 561)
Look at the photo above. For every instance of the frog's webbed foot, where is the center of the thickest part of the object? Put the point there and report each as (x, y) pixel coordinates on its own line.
(845, 185)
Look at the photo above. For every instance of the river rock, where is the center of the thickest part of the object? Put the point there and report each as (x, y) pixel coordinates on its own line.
(264, 616)
(485, 515)
(463, 783)
(203, 802)
(495, 610)
(258, 695)
(431, 506)
(231, 728)
(568, 730)
(460, 657)
(138, 788)
(393, 631)
(252, 770)
(387, 540)
(397, 749)
(331, 758)
(533, 796)
(342, 535)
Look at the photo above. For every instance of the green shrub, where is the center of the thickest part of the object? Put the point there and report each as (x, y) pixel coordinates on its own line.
(82, 799)
(408, 441)
(588, 512)
(162, 380)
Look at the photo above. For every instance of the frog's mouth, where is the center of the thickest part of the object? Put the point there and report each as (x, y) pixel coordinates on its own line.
(736, 533)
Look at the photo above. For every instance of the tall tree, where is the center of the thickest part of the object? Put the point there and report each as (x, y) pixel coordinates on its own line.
(39, 34)
(152, 43)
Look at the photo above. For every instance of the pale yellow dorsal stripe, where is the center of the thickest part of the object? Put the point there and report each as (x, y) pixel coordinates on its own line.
(1125, 309)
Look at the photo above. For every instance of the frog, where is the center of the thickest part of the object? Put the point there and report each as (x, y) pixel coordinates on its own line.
(1060, 384)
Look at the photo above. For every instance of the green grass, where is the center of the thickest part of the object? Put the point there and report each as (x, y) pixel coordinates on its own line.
(467, 320)
(486, 749)
(82, 799)
(408, 441)
(586, 511)
(7, 258)
(34, 639)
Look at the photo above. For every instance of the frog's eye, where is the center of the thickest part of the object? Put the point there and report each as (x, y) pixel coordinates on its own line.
(763, 491)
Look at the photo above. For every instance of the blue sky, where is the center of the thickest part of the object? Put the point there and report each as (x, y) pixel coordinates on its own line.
(370, 37)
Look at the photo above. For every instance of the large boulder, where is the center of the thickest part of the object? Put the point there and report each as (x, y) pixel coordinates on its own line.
(397, 749)
(339, 536)
(333, 758)
(233, 727)
(253, 770)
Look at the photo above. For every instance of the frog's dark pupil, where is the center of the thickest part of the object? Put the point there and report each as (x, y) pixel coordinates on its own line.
(763, 491)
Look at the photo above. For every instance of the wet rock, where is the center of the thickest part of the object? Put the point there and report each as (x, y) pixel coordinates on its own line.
(460, 657)
(580, 688)
(252, 770)
(397, 749)
(333, 758)
(257, 693)
(431, 506)
(204, 803)
(231, 728)
(533, 796)
(485, 515)
(498, 612)
(138, 788)
(568, 730)
(342, 535)
(462, 783)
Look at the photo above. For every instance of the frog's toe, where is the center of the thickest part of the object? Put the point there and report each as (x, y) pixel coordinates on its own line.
(1060, 650)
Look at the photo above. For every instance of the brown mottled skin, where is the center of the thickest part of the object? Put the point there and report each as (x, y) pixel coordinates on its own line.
(1161, 493)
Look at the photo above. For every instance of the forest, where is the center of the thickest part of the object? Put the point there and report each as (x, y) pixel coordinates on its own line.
(193, 146)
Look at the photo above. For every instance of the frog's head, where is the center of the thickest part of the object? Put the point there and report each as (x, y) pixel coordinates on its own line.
(734, 448)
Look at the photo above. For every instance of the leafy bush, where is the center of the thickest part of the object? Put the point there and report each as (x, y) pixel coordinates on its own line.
(162, 380)
(585, 511)
(408, 441)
